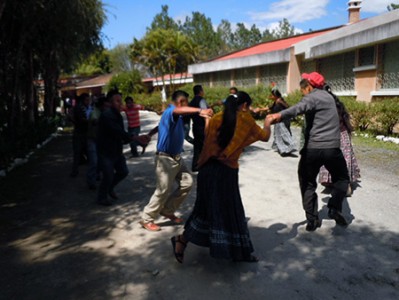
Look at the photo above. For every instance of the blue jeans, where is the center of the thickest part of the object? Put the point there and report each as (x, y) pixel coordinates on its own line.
(92, 172)
(133, 145)
(113, 169)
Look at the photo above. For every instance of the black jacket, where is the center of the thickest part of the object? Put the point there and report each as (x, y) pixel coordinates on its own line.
(111, 133)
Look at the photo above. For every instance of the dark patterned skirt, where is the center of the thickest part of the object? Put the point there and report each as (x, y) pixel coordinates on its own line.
(218, 219)
(351, 162)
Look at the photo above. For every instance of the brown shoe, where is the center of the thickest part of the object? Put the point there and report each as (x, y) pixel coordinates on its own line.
(150, 226)
(173, 218)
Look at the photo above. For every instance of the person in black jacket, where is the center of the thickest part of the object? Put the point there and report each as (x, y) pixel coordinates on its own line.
(111, 137)
(198, 124)
(79, 138)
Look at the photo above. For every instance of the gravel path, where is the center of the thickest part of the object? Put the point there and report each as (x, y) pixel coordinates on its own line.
(56, 243)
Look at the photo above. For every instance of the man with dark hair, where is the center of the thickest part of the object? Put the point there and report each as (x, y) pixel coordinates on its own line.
(233, 90)
(198, 124)
(322, 147)
(169, 165)
(79, 138)
(111, 137)
(92, 169)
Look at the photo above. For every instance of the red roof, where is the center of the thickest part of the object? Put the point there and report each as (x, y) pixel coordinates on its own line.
(100, 80)
(273, 45)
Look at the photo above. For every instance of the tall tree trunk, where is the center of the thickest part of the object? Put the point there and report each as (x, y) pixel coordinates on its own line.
(29, 92)
(50, 78)
(2, 6)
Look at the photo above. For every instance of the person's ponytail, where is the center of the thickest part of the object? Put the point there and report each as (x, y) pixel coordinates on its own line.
(226, 131)
(228, 126)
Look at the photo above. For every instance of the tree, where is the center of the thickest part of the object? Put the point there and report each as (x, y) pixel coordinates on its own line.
(163, 21)
(40, 39)
(200, 29)
(61, 45)
(284, 30)
(127, 83)
(392, 6)
(120, 59)
(226, 36)
(164, 51)
(97, 63)
(243, 37)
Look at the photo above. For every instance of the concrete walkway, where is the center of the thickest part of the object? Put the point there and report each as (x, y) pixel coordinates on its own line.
(57, 243)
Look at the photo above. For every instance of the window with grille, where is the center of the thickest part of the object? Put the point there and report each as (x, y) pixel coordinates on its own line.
(308, 66)
(203, 79)
(276, 73)
(245, 77)
(338, 71)
(222, 78)
(389, 77)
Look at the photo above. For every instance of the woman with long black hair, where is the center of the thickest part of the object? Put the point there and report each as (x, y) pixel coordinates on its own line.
(346, 147)
(218, 218)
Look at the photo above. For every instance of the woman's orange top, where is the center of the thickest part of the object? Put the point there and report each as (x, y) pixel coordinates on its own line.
(246, 133)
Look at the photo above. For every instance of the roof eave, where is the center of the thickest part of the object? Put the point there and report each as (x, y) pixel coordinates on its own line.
(274, 57)
(367, 32)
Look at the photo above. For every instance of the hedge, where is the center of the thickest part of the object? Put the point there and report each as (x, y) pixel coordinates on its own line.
(377, 117)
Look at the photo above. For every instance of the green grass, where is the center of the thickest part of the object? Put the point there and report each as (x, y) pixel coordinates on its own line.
(372, 142)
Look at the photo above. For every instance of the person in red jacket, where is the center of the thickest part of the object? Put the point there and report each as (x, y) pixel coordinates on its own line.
(133, 118)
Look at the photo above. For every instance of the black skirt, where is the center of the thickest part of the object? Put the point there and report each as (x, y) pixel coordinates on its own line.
(218, 219)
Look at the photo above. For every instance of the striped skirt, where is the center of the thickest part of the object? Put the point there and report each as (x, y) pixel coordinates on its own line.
(218, 218)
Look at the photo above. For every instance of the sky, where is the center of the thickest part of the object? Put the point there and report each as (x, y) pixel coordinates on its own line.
(129, 19)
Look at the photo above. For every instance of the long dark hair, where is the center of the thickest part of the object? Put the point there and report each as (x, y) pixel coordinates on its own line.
(343, 114)
(228, 126)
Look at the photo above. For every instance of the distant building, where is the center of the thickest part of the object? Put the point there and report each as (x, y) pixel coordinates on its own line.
(358, 59)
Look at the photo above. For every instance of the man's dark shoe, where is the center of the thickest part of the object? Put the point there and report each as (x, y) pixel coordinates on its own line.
(105, 202)
(113, 195)
(312, 225)
(337, 216)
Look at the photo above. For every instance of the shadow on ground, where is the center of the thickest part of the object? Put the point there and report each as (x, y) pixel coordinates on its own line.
(56, 243)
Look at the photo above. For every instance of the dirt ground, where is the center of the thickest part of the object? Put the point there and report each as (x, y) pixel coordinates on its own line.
(57, 243)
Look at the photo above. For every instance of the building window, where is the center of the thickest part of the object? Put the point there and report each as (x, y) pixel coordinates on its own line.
(307, 66)
(366, 57)
(276, 73)
(245, 77)
(221, 78)
(389, 76)
(203, 79)
(338, 71)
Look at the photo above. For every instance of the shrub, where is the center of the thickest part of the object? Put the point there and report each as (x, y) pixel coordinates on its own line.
(361, 113)
(26, 138)
(386, 115)
(152, 102)
(126, 82)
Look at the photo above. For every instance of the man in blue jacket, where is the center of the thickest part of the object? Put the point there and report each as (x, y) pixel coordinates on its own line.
(169, 165)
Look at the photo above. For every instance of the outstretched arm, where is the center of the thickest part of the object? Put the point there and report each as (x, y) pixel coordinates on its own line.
(266, 128)
(187, 110)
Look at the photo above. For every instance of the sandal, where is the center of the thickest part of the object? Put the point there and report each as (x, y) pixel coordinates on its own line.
(173, 218)
(179, 256)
